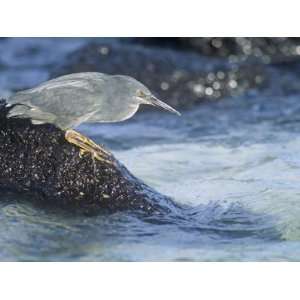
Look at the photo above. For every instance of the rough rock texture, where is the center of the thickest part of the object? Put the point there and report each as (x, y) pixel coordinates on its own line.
(37, 160)
(179, 78)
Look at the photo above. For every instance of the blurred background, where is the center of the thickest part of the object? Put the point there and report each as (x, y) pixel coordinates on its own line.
(184, 71)
(233, 156)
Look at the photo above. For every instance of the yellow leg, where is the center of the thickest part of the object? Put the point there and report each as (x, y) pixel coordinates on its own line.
(88, 146)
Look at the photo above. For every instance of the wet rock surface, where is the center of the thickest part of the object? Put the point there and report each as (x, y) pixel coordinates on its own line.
(37, 160)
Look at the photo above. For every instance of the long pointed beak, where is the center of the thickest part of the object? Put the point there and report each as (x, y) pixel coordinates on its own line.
(152, 100)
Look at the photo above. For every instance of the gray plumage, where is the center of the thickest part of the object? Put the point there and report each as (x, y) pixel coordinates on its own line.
(70, 100)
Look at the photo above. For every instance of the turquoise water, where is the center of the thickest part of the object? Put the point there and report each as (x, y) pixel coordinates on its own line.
(236, 163)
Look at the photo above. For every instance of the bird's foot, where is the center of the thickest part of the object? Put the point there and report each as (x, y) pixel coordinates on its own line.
(86, 145)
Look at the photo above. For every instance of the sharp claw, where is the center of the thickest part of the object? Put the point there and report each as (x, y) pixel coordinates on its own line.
(82, 152)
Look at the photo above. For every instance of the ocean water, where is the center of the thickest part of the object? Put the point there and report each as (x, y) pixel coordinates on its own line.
(234, 163)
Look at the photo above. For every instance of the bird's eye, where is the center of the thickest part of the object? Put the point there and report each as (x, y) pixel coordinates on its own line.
(140, 93)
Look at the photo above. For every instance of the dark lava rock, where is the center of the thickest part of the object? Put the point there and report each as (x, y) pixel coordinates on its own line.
(38, 161)
(181, 79)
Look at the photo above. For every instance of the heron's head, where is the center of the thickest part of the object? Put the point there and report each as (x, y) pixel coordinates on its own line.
(137, 93)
